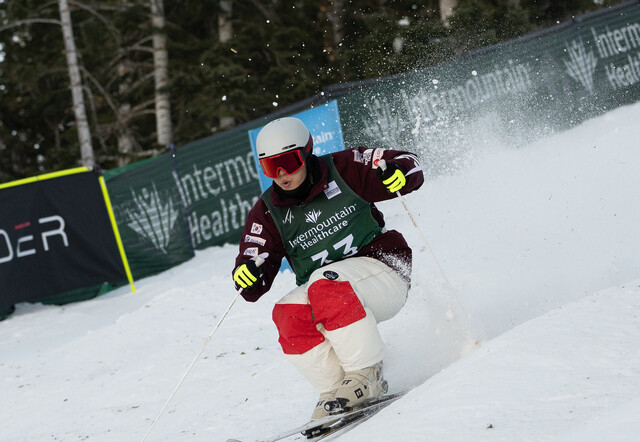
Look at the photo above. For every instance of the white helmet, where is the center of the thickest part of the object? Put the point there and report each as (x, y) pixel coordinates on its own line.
(282, 135)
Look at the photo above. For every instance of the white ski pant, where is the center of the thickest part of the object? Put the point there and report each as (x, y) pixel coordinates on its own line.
(329, 325)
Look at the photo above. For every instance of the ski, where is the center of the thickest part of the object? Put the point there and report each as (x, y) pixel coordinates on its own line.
(349, 422)
(321, 428)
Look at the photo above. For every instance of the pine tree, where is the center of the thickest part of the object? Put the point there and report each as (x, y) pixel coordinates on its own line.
(229, 62)
(36, 112)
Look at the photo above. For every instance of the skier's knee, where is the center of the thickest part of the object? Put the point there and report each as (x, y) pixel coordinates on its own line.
(334, 303)
(297, 330)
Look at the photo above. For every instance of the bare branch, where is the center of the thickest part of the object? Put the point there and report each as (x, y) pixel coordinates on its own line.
(114, 32)
(139, 47)
(140, 109)
(101, 7)
(138, 83)
(29, 21)
(104, 93)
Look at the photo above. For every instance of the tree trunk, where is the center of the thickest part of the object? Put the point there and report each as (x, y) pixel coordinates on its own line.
(225, 27)
(446, 9)
(164, 128)
(225, 32)
(336, 18)
(84, 134)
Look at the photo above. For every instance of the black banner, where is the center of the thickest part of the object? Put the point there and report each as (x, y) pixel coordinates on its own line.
(55, 236)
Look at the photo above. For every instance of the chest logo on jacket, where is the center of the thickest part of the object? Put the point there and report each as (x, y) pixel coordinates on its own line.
(288, 218)
(313, 216)
(322, 229)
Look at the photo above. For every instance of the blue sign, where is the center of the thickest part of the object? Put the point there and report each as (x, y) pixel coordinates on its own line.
(324, 125)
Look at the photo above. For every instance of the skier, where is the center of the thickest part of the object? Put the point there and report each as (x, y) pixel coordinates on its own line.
(351, 272)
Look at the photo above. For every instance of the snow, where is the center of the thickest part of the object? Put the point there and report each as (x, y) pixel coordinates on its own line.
(536, 258)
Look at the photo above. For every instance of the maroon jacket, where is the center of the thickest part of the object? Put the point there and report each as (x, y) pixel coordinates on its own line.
(357, 167)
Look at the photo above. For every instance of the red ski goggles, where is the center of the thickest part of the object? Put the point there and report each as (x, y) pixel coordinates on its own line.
(290, 161)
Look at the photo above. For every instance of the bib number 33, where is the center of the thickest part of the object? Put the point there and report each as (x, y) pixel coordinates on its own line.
(349, 250)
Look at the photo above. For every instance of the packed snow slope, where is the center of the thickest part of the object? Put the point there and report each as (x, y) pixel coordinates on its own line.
(537, 257)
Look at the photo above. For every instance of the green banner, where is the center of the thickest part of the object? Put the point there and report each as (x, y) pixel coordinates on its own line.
(150, 216)
(512, 93)
(217, 182)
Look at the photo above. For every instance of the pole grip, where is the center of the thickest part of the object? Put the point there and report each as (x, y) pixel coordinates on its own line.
(259, 260)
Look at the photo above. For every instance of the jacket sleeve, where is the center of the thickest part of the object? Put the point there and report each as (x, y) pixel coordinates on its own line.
(358, 168)
(260, 235)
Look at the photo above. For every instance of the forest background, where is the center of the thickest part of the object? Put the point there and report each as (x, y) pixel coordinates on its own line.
(154, 73)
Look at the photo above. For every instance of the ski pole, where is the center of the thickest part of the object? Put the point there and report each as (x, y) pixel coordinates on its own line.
(383, 165)
(259, 260)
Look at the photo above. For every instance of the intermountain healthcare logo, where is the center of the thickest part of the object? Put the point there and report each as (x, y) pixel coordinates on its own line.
(621, 72)
(312, 217)
(322, 229)
(153, 219)
(422, 107)
(582, 64)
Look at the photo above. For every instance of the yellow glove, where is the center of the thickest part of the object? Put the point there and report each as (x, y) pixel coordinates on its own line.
(247, 274)
(392, 177)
